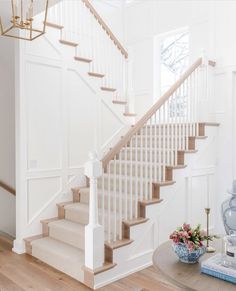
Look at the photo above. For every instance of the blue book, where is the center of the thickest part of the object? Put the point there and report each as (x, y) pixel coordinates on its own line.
(214, 267)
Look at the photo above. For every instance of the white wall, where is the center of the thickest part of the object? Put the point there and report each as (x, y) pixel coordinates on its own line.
(146, 19)
(61, 115)
(225, 85)
(112, 12)
(7, 133)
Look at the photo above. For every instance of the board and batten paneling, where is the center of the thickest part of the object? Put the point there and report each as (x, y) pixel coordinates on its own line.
(63, 116)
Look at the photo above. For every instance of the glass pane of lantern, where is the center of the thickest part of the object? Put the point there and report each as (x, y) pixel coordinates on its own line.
(24, 18)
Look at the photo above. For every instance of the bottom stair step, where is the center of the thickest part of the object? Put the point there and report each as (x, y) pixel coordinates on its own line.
(61, 256)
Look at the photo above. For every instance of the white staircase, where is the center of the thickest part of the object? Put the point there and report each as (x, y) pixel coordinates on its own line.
(109, 229)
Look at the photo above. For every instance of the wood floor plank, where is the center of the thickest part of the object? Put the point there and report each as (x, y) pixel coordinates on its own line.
(7, 285)
(25, 273)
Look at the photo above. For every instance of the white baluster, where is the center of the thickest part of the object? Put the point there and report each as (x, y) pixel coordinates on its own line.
(120, 199)
(126, 74)
(103, 200)
(151, 157)
(184, 115)
(146, 160)
(176, 127)
(159, 146)
(187, 114)
(155, 148)
(197, 100)
(194, 103)
(141, 164)
(114, 200)
(109, 205)
(126, 184)
(182, 133)
(136, 175)
(131, 181)
(172, 130)
(164, 141)
(168, 132)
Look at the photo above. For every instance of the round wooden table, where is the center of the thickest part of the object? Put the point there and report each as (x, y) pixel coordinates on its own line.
(187, 276)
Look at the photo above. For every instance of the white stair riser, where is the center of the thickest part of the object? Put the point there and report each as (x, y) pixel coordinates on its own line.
(72, 238)
(146, 156)
(157, 143)
(127, 184)
(83, 218)
(138, 170)
(69, 263)
(114, 197)
(179, 128)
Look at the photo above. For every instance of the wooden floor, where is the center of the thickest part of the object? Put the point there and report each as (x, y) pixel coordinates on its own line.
(22, 272)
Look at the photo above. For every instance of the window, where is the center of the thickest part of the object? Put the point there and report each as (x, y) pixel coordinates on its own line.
(173, 51)
(174, 54)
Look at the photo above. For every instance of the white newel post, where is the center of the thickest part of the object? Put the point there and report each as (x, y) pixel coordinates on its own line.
(94, 233)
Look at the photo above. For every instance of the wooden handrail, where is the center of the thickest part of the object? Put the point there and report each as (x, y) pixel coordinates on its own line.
(106, 28)
(117, 148)
(7, 188)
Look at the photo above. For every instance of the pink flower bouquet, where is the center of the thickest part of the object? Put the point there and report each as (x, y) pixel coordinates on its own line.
(188, 242)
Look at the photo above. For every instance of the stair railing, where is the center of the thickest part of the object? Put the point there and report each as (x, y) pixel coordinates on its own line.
(7, 188)
(147, 154)
(83, 25)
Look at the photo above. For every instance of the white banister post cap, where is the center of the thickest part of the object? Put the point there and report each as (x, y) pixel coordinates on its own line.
(93, 168)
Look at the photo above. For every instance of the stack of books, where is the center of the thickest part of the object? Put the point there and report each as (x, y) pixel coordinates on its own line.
(215, 267)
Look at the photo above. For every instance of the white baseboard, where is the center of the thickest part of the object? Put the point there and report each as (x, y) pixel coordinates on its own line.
(118, 277)
(18, 247)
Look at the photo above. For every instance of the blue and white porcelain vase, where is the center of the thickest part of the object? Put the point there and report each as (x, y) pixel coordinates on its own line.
(187, 256)
(228, 211)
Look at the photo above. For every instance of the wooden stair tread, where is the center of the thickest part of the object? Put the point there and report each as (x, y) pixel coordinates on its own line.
(119, 102)
(150, 201)
(53, 25)
(176, 167)
(62, 204)
(210, 123)
(106, 266)
(200, 137)
(67, 42)
(129, 114)
(212, 63)
(46, 221)
(118, 244)
(188, 151)
(108, 89)
(81, 59)
(165, 183)
(135, 221)
(97, 75)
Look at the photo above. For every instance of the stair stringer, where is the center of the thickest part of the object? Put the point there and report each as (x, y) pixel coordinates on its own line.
(149, 235)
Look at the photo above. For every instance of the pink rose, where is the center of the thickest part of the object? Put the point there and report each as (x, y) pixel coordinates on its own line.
(186, 226)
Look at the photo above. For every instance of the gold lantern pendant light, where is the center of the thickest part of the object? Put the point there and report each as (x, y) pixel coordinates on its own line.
(23, 24)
